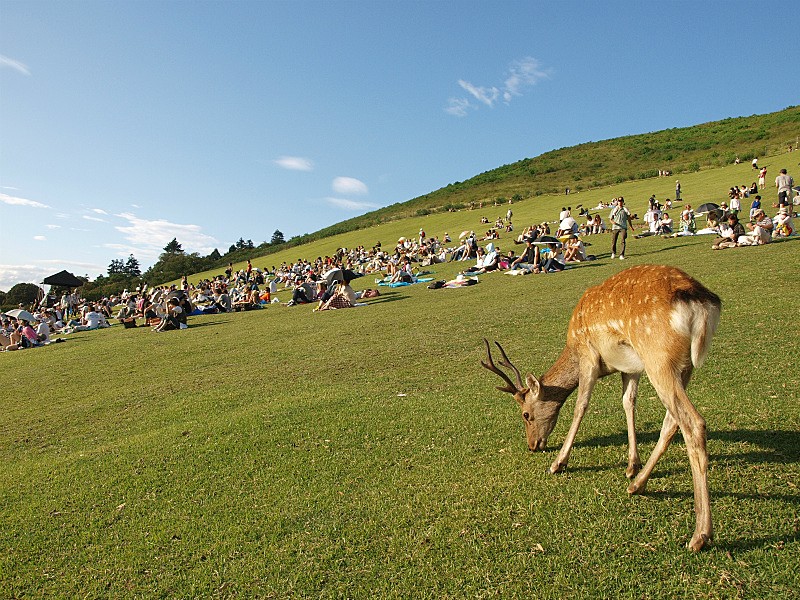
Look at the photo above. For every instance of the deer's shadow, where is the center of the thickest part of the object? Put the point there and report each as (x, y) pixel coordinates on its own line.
(771, 447)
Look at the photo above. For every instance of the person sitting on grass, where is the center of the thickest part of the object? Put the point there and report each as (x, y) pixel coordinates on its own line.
(664, 224)
(173, 318)
(783, 223)
(486, 261)
(729, 234)
(127, 314)
(529, 260)
(759, 231)
(552, 259)
(22, 336)
(343, 297)
(90, 321)
(574, 250)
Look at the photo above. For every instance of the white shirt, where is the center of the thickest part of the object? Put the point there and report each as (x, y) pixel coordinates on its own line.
(43, 331)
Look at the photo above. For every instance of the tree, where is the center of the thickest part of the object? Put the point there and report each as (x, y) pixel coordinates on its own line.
(117, 267)
(23, 293)
(277, 238)
(173, 247)
(215, 255)
(232, 248)
(132, 268)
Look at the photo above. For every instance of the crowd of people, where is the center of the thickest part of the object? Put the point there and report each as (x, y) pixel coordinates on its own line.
(326, 281)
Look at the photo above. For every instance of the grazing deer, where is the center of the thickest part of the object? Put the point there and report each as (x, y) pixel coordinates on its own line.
(649, 318)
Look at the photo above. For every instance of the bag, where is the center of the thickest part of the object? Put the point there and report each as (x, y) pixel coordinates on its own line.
(437, 284)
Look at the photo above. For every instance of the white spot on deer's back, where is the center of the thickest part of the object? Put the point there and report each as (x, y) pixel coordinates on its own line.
(615, 325)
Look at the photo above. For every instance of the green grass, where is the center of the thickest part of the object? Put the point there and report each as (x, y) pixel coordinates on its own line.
(365, 452)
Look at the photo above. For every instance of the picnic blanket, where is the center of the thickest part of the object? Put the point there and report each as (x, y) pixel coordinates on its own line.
(404, 283)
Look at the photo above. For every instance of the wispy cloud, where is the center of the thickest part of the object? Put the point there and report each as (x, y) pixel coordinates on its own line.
(349, 204)
(294, 163)
(521, 74)
(349, 185)
(10, 63)
(14, 201)
(148, 238)
(99, 211)
(39, 238)
(485, 95)
(51, 226)
(458, 107)
(95, 219)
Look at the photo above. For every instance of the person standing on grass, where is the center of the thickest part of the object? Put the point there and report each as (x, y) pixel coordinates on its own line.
(677, 191)
(784, 183)
(620, 222)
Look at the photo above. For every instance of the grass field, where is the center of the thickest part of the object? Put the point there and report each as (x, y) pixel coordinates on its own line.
(363, 453)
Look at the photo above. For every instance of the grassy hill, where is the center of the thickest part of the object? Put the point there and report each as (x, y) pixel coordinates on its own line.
(600, 164)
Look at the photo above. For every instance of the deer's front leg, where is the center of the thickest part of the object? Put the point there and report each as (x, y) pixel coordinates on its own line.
(586, 384)
(630, 386)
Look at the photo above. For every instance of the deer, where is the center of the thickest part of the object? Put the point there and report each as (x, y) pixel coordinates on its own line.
(650, 319)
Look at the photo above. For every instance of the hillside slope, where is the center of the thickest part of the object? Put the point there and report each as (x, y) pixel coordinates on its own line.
(599, 164)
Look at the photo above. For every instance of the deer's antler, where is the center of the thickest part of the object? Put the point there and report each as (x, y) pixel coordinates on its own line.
(510, 386)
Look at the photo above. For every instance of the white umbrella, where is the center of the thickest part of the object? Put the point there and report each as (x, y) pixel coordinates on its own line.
(463, 234)
(19, 313)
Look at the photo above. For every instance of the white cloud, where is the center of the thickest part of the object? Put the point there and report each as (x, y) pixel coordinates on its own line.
(294, 163)
(14, 64)
(487, 96)
(51, 226)
(39, 238)
(34, 272)
(99, 211)
(96, 219)
(148, 238)
(349, 185)
(458, 107)
(522, 74)
(14, 201)
(350, 204)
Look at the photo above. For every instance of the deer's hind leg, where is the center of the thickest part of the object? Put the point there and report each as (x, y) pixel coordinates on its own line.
(682, 414)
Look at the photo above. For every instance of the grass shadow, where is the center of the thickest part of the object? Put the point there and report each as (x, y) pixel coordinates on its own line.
(780, 447)
(204, 324)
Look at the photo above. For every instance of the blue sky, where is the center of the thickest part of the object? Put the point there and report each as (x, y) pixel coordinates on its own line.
(125, 124)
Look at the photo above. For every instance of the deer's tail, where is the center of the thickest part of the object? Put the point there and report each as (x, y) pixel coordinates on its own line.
(704, 324)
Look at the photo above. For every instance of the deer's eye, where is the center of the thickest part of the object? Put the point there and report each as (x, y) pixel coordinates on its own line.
(526, 416)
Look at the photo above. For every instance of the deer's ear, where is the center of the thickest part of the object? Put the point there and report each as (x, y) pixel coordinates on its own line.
(533, 384)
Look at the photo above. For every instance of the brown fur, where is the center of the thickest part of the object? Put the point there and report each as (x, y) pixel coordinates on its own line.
(650, 318)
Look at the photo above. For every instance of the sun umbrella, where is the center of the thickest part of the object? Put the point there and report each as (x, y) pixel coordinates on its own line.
(176, 294)
(463, 234)
(19, 313)
(337, 275)
(708, 206)
(546, 239)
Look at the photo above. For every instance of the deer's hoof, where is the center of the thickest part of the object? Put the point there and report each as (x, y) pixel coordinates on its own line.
(633, 470)
(556, 468)
(699, 541)
(637, 488)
